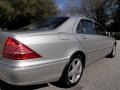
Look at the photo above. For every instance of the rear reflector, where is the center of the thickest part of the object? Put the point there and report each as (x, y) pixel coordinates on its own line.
(17, 51)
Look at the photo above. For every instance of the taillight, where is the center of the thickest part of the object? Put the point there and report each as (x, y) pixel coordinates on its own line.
(17, 51)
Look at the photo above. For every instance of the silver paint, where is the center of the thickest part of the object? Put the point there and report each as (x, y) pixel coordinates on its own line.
(56, 48)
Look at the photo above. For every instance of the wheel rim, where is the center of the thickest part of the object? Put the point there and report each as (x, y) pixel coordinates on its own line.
(114, 51)
(75, 70)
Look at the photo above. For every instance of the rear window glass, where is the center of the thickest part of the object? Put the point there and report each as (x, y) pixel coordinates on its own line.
(50, 23)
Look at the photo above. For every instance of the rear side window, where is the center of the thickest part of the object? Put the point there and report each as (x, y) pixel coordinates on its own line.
(88, 27)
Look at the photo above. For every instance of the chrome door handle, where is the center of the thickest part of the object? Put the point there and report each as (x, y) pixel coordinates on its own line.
(83, 37)
(64, 39)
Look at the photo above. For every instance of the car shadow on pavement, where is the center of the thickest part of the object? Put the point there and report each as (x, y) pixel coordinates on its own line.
(5, 86)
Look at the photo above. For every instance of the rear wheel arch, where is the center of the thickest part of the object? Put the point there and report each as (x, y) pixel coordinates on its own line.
(64, 81)
(82, 54)
(113, 52)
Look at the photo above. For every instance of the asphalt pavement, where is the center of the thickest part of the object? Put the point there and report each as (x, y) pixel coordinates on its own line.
(103, 74)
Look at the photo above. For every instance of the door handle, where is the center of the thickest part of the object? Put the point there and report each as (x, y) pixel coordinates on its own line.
(83, 37)
(63, 36)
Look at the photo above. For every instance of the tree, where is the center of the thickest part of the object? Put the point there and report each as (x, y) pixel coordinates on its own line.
(94, 8)
(18, 13)
(84, 7)
(101, 10)
(117, 17)
(72, 7)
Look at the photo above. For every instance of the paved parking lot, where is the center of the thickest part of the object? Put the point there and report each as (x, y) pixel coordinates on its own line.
(101, 75)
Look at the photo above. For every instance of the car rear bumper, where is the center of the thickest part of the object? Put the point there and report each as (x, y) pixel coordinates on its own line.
(32, 75)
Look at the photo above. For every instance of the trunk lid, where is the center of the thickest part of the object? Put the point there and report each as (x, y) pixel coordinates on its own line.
(22, 33)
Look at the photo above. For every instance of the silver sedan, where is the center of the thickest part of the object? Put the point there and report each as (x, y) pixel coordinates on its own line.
(56, 50)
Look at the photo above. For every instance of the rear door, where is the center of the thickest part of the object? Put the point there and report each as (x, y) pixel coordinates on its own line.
(91, 41)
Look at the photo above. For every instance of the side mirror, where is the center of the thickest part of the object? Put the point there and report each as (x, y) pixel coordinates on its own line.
(107, 33)
(110, 34)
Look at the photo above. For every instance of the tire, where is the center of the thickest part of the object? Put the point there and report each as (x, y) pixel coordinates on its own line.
(72, 73)
(113, 52)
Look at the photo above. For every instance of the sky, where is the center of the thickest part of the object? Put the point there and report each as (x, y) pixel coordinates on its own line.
(61, 3)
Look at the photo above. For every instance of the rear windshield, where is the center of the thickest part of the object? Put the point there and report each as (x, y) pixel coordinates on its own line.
(50, 23)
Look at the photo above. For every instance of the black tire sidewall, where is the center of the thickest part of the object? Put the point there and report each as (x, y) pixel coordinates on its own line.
(69, 84)
(113, 55)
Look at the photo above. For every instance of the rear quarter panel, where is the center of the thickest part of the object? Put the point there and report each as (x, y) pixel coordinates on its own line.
(51, 46)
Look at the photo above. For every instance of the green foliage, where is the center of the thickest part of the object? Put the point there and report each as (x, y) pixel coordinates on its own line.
(100, 15)
(15, 12)
(117, 16)
(117, 36)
